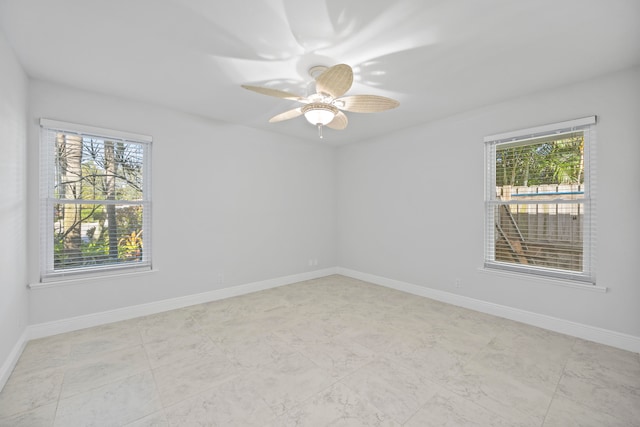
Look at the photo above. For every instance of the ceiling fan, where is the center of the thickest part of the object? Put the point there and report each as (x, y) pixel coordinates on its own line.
(325, 106)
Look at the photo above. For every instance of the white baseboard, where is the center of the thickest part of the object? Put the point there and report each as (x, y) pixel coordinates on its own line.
(590, 333)
(12, 359)
(86, 321)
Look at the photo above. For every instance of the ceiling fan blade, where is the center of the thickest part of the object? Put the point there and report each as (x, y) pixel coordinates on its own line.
(339, 122)
(274, 92)
(366, 103)
(335, 81)
(286, 115)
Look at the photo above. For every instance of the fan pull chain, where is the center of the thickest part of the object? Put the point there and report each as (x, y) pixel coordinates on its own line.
(320, 130)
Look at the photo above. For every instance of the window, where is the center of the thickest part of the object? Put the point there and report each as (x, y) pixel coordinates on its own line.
(539, 201)
(94, 200)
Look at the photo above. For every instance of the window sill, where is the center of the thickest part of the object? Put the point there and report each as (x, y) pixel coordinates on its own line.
(79, 280)
(547, 280)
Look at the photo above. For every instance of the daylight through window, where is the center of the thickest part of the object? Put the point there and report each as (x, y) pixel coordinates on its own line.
(95, 204)
(539, 200)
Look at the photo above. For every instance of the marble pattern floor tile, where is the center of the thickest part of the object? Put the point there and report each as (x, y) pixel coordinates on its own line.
(470, 321)
(535, 359)
(44, 353)
(257, 351)
(326, 325)
(179, 381)
(616, 400)
(435, 352)
(564, 412)
(102, 369)
(181, 349)
(236, 308)
(332, 351)
(248, 327)
(232, 403)
(157, 419)
(337, 406)
(167, 325)
(105, 338)
(446, 409)
(377, 336)
(603, 377)
(115, 404)
(391, 387)
(338, 356)
(289, 381)
(41, 416)
(604, 365)
(501, 392)
(29, 390)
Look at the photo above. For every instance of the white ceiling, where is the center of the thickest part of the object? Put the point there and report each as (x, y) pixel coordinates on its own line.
(437, 57)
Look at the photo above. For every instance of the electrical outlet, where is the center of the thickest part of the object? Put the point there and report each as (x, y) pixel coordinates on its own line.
(458, 283)
(220, 279)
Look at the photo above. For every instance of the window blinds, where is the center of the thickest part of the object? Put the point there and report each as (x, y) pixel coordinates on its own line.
(95, 210)
(540, 200)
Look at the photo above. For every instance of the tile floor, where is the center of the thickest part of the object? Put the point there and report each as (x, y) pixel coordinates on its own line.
(332, 351)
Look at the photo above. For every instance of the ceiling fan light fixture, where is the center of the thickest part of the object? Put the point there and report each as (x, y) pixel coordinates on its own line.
(325, 101)
(319, 113)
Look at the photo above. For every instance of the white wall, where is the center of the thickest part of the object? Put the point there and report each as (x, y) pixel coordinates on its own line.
(410, 204)
(13, 200)
(231, 205)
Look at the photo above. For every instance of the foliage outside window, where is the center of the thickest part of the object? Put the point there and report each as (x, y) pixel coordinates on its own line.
(95, 201)
(539, 201)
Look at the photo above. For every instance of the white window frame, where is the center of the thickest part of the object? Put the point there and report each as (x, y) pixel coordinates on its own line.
(587, 125)
(47, 202)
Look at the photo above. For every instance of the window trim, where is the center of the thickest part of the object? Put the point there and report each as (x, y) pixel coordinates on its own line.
(93, 131)
(47, 273)
(587, 276)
